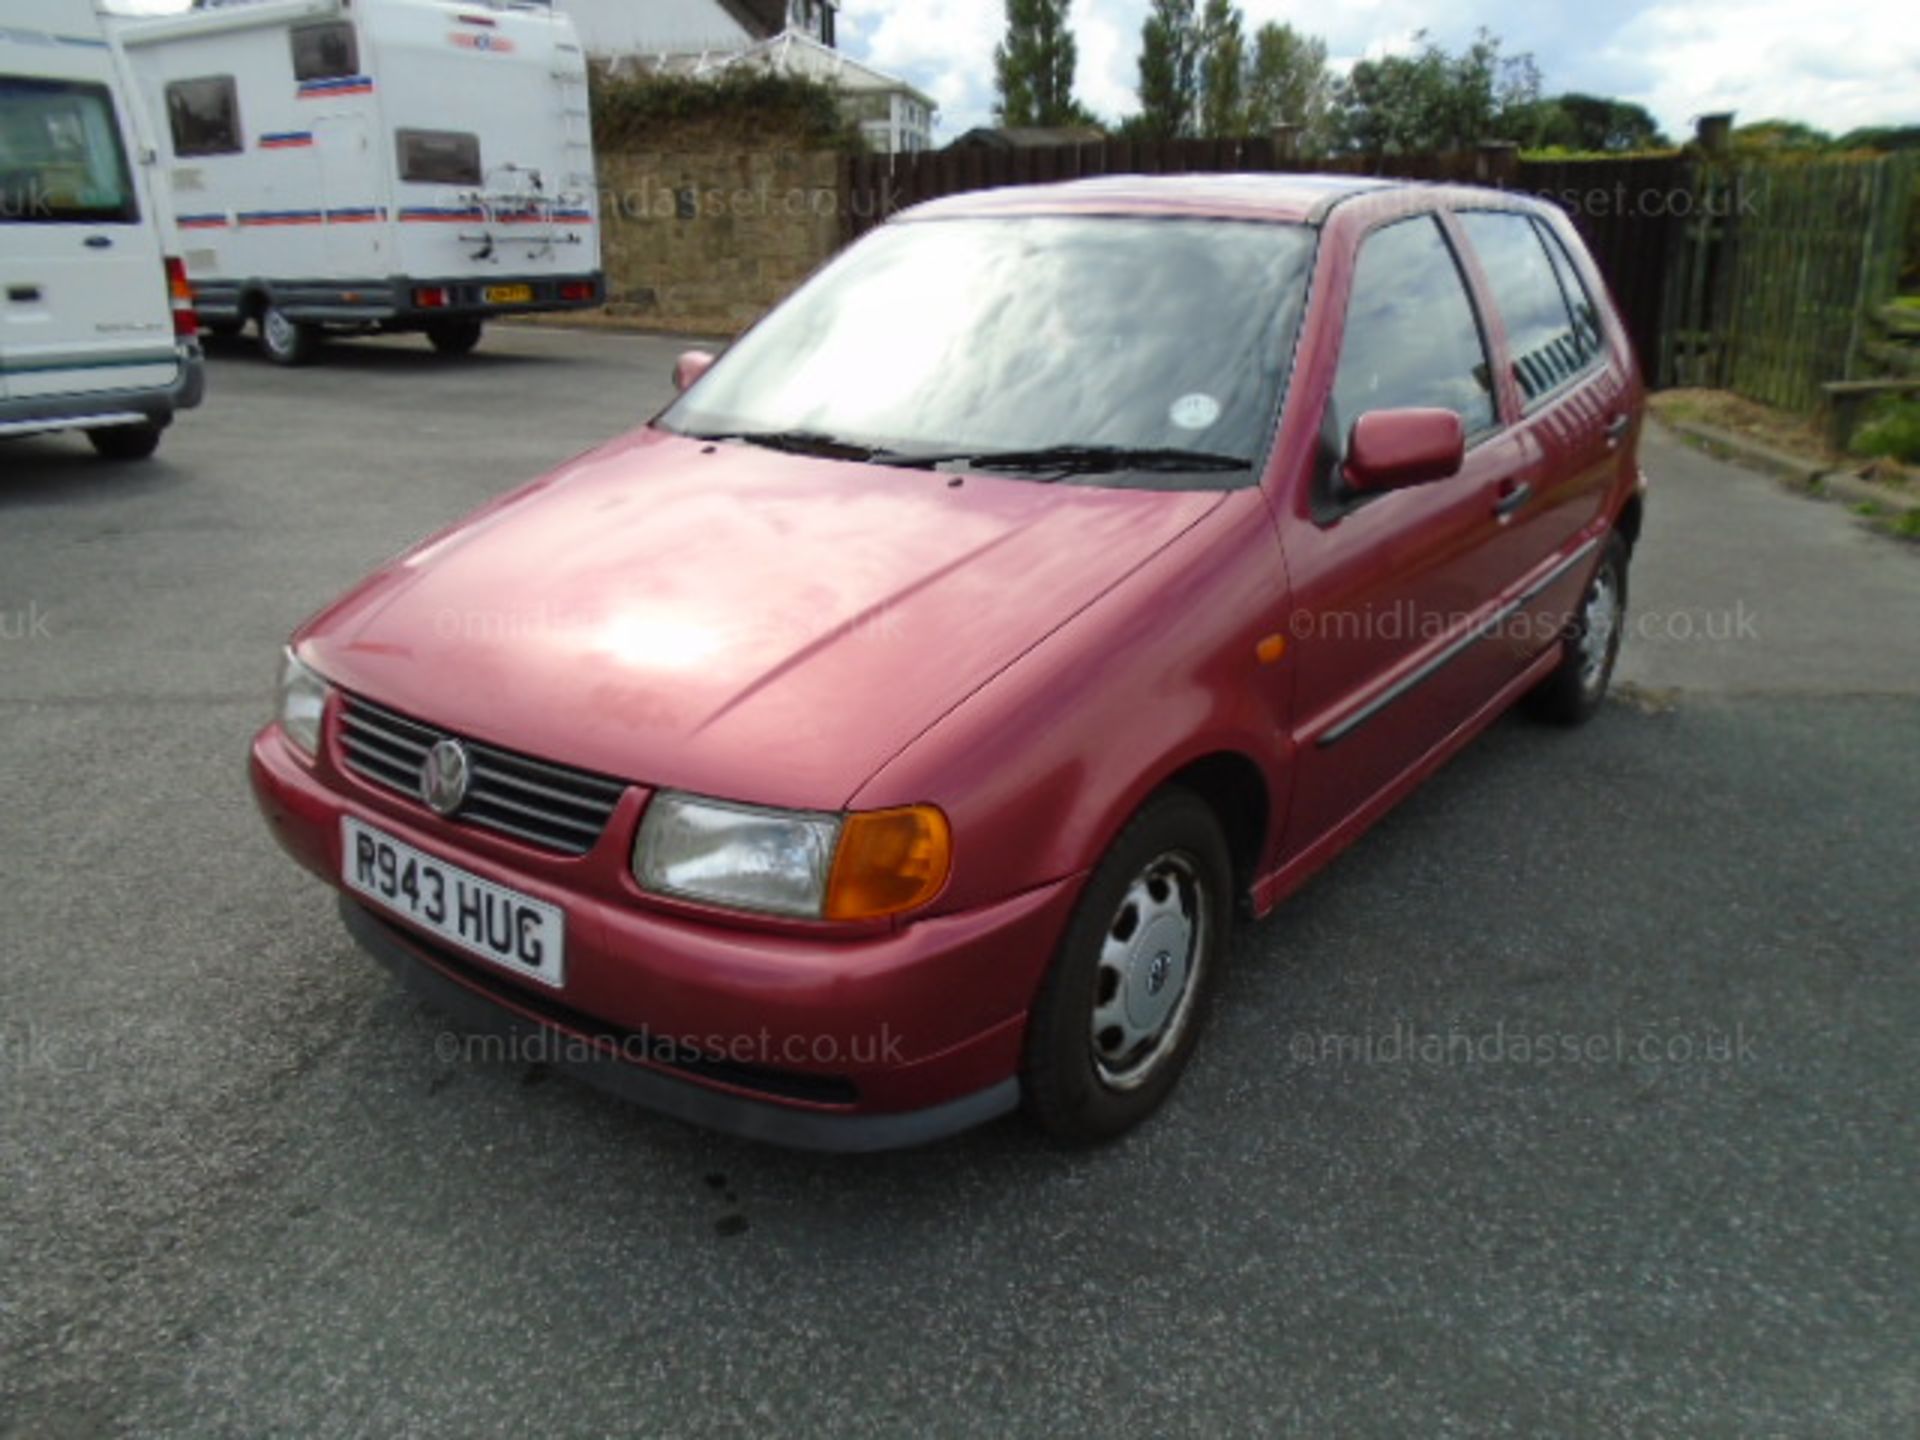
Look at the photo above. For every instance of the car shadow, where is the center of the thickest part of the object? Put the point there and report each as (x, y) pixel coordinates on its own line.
(385, 354)
(63, 469)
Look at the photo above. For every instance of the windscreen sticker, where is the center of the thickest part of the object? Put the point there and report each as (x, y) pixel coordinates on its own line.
(1195, 412)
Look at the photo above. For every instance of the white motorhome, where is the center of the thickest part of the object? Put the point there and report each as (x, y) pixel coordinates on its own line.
(97, 329)
(374, 165)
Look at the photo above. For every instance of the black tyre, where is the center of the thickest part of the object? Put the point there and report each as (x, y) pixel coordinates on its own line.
(1578, 686)
(455, 337)
(1122, 1008)
(126, 442)
(287, 342)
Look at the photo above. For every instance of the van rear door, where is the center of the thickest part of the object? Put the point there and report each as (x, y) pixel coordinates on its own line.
(86, 304)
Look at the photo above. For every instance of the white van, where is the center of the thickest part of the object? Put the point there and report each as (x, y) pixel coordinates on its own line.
(97, 329)
(379, 165)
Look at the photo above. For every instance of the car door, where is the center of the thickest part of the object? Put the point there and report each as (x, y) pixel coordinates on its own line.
(1575, 411)
(1391, 592)
(86, 305)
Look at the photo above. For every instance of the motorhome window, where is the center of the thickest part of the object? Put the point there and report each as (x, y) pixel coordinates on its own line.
(325, 52)
(61, 159)
(440, 157)
(205, 116)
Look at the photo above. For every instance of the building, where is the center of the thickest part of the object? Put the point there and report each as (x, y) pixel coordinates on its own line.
(632, 28)
(894, 117)
(791, 37)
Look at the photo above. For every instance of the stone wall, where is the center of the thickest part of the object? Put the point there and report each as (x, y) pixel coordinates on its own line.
(704, 233)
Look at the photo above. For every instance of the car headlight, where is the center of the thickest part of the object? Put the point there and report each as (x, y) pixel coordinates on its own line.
(810, 865)
(303, 701)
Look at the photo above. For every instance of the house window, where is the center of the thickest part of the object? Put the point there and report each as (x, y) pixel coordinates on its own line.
(204, 116)
(325, 52)
(439, 157)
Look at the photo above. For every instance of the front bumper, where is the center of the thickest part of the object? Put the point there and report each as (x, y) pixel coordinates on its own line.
(94, 409)
(839, 1043)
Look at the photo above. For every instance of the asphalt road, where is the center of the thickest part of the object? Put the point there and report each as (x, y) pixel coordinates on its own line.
(1580, 1098)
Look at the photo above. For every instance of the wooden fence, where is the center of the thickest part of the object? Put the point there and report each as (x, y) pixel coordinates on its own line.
(1751, 276)
(1774, 276)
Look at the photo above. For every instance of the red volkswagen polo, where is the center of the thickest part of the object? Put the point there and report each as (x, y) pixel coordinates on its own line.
(890, 733)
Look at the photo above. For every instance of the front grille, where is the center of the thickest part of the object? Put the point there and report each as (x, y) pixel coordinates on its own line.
(551, 806)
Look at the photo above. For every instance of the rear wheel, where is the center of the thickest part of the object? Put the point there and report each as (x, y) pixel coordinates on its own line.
(454, 337)
(1577, 687)
(285, 341)
(1121, 1010)
(126, 442)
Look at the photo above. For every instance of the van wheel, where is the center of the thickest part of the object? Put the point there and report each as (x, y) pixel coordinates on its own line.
(1575, 690)
(1121, 1010)
(126, 442)
(455, 337)
(287, 342)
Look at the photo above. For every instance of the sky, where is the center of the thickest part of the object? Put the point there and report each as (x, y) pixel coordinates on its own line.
(1855, 64)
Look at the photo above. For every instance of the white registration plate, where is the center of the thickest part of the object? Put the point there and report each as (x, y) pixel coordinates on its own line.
(511, 930)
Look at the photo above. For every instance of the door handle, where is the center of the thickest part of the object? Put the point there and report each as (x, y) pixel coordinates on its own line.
(1512, 496)
(23, 294)
(1617, 430)
(99, 242)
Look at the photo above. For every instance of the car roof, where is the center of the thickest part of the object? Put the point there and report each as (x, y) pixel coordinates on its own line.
(1278, 197)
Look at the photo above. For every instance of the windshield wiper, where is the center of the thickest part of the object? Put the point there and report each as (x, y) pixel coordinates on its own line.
(1086, 460)
(800, 442)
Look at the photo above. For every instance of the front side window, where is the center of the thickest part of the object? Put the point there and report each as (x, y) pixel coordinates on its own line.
(61, 156)
(205, 116)
(1540, 329)
(325, 52)
(974, 336)
(1412, 340)
(439, 157)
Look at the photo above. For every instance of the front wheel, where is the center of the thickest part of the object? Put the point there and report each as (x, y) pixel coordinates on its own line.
(285, 341)
(454, 337)
(1121, 1010)
(1578, 685)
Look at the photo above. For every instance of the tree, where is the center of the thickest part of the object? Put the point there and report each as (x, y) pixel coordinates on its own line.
(1169, 81)
(1432, 100)
(1585, 122)
(1035, 64)
(1222, 49)
(1780, 135)
(1288, 84)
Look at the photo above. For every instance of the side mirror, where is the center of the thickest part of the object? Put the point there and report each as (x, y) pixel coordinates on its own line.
(1395, 449)
(690, 367)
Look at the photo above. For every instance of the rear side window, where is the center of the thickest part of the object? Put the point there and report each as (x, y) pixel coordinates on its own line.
(205, 116)
(1412, 339)
(1547, 352)
(61, 157)
(439, 157)
(1586, 315)
(325, 52)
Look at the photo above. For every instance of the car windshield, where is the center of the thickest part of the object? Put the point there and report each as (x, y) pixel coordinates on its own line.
(1116, 349)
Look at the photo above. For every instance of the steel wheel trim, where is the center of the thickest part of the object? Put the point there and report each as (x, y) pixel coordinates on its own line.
(1599, 626)
(1145, 982)
(278, 330)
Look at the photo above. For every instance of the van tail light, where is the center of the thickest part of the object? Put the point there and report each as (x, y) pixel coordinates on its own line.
(577, 290)
(430, 297)
(186, 320)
